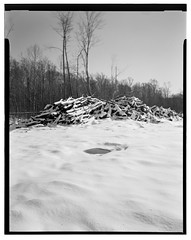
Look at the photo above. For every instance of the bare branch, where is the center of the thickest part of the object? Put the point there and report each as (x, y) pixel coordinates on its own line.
(91, 22)
(64, 30)
(52, 47)
(65, 23)
(123, 70)
(87, 26)
(34, 53)
(10, 30)
(58, 31)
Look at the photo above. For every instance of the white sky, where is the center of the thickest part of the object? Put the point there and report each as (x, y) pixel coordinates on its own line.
(143, 45)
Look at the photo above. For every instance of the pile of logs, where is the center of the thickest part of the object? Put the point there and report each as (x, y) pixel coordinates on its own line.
(80, 110)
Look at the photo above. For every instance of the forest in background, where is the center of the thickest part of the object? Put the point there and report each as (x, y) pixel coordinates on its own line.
(34, 81)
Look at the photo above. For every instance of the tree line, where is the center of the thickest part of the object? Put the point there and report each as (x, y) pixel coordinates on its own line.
(35, 81)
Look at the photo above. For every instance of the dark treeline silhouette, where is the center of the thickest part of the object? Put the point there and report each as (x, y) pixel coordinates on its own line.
(35, 82)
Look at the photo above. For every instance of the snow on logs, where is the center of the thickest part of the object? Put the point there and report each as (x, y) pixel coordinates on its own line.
(80, 110)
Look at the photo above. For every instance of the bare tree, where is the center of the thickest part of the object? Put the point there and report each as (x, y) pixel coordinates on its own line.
(130, 81)
(166, 89)
(113, 60)
(77, 70)
(34, 54)
(88, 25)
(115, 81)
(64, 30)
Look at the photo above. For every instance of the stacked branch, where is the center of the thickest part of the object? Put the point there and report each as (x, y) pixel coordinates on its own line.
(80, 110)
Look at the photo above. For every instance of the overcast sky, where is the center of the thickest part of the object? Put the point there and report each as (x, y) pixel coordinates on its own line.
(143, 45)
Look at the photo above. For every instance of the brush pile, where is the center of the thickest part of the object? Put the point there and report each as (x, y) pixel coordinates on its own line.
(81, 110)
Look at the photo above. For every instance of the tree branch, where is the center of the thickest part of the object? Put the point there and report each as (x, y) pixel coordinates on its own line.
(54, 48)
(57, 31)
(11, 29)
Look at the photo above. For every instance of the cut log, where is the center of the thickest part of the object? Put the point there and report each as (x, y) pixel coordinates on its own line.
(32, 123)
(48, 106)
(57, 119)
(42, 115)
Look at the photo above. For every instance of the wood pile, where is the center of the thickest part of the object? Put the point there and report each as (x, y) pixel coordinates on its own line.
(80, 110)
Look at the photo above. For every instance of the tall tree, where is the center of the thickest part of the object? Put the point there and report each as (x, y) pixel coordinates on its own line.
(64, 30)
(34, 54)
(88, 25)
(77, 70)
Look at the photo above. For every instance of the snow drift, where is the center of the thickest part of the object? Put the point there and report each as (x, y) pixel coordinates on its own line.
(60, 180)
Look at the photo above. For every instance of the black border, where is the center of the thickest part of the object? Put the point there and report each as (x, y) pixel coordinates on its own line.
(97, 7)
(88, 7)
(184, 134)
(6, 167)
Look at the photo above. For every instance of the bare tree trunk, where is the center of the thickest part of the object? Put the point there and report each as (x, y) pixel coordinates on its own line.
(65, 27)
(77, 69)
(77, 75)
(64, 75)
(42, 90)
(86, 38)
(87, 76)
(28, 94)
(34, 91)
(68, 71)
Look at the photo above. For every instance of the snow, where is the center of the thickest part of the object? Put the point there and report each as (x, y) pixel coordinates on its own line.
(56, 186)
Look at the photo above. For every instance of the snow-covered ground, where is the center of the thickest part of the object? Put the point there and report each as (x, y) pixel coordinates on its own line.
(56, 186)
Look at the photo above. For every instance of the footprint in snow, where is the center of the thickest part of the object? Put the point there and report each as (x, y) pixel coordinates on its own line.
(101, 151)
